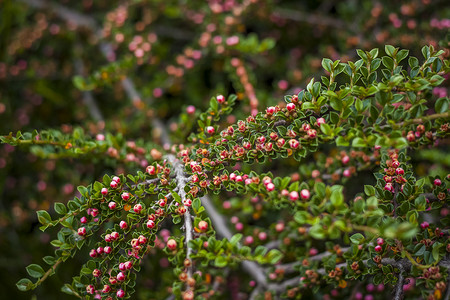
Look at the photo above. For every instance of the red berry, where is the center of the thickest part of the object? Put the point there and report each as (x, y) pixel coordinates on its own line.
(437, 182)
(345, 159)
(121, 267)
(294, 144)
(190, 109)
(90, 289)
(96, 273)
(114, 184)
(125, 196)
(320, 121)
(112, 205)
(172, 244)
(81, 231)
(83, 220)
(137, 208)
(114, 235)
(116, 179)
(93, 253)
(290, 106)
(220, 99)
(121, 276)
(424, 225)
(100, 250)
(123, 224)
(346, 173)
(232, 176)
(202, 225)
(94, 212)
(270, 110)
(210, 130)
(293, 195)
(107, 249)
(128, 265)
(380, 241)
(270, 187)
(120, 294)
(104, 191)
(150, 224)
(305, 194)
(106, 289)
(378, 248)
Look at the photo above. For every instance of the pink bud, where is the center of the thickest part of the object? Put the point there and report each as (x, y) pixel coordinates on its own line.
(125, 196)
(305, 194)
(378, 248)
(81, 231)
(150, 224)
(290, 106)
(293, 195)
(112, 205)
(104, 191)
(220, 99)
(137, 208)
(210, 130)
(121, 276)
(83, 220)
(190, 109)
(107, 249)
(380, 241)
(123, 224)
(437, 182)
(270, 187)
(114, 184)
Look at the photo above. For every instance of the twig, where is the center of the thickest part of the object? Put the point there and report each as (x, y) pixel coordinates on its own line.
(88, 99)
(398, 290)
(311, 18)
(252, 268)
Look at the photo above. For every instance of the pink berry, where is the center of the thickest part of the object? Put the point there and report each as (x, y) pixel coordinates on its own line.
(137, 208)
(424, 225)
(232, 176)
(128, 265)
(290, 106)
(120, 294)
(114, 184)
(190, 109)
(220, 99)
(345, 159)
(104, 191)
(399, 171)
(81, 231)
(121, 276)
(107, 249)
(100, 250)
(380, 241)
(294, 144)
(94, 212)
(106, 289)
(270, 110)
(125, 196)
(96, 273)
(437, 182)
(378, 248)
(114, 235)
(93, 253)
(239, 226)
(313, 251)
(203, 225)
(346, 173)
(83, 220)
(90, 289)
(262, 236)
(293, 195)
(304, 194)
(210, 130)
(320, 121)
(270, 187)
(249, 240)
(279, 227)
(172, 244)
(112, 205)
(121, 267)
(150, 224)
(123, 224)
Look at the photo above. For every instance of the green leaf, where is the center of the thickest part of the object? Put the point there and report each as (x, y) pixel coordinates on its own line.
(43, 217)
(390, 50)
(274, 256)
(67, 288)
(358, 142)
(327, 64)
(35, 271)
(369, 190)
(337, 198)
(326, 129)
(357, 238)
(235, 239)
(24, 284)
(441, 105)
(60, 208)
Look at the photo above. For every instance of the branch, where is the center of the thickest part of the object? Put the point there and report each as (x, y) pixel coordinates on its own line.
(252, 268)
(310, 18)
(398, 290)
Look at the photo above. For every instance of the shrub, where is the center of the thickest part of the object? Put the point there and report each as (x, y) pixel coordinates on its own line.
(342, 191)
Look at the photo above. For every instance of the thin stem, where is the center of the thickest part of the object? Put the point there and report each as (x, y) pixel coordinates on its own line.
(399, 286)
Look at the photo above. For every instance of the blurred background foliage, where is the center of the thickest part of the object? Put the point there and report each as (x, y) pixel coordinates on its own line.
(112, 66)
